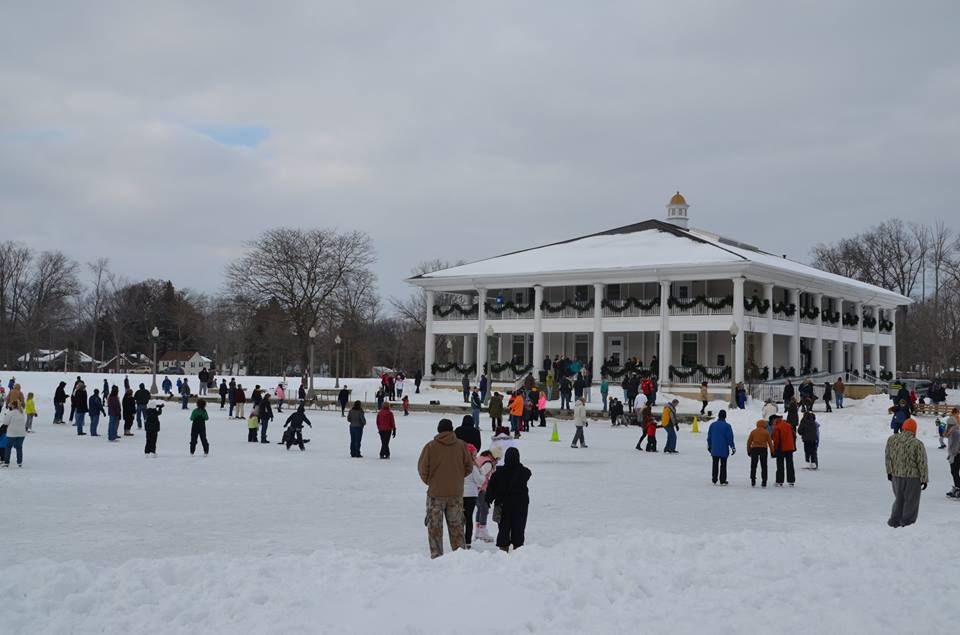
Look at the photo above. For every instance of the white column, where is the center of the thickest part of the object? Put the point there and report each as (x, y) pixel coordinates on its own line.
(665, 355)
(838, 366)
(892, 351)
(817, 360)
(537, 327)
(430, 345)
(875, 349)
(469, 352)
(740, 348)
(795, 336)
(598, 352)
(481, 330)
(858, 347)
(768, 334)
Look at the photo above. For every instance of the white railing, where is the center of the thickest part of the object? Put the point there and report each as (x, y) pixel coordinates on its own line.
(703, 309)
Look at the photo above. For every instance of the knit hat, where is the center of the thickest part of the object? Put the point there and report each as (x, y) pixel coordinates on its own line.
(909, 426)
(445, 425)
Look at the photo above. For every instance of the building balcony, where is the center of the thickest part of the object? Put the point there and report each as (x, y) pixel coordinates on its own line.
(702, 306)
(631, 307)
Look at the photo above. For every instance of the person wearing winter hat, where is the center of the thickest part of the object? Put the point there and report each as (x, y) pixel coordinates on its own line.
(151, 426)
(952, 435)
(443, 465)
(508, 491)
(906, 460)
(472, 483)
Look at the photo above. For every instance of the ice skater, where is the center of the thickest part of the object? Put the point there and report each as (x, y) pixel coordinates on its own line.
(151, 427)
(579, 420)
(198, 427)
(758, 443)
(809, 431)
(293, 435)
(906, 460)
(720, 445)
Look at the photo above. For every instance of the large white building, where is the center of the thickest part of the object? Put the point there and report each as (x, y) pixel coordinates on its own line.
(657, 288)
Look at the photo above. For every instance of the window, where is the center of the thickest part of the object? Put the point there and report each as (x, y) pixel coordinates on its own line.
(613, 292)
(721, 360)
(581, 344)
(518, 352)
(580, 293)
(683, 291)
(688, 354)
(518, 296)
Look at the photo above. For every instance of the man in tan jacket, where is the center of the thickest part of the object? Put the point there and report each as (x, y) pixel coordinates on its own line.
(444, 463)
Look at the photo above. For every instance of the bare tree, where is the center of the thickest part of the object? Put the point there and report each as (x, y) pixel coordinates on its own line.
(51, 283)
(96, 297)
(300, 270)
(15, 260)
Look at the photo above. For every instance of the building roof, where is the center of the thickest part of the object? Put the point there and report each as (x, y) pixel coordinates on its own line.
(652, 248)
(678, 199)
(178, 356)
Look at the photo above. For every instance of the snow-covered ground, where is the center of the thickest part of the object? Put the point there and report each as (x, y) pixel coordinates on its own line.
(99, 538)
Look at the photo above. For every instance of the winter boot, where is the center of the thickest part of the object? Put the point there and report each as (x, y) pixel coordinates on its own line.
(954, 493)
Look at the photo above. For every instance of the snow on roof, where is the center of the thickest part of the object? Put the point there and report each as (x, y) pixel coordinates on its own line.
(651, 244)
(45, 356)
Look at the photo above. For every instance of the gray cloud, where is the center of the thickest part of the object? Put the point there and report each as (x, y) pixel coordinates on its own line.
(460, 130)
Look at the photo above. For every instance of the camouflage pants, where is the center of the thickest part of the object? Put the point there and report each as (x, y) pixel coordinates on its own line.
(450, 507)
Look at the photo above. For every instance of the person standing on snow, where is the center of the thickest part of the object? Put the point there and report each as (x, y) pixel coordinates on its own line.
(386, 428)
(465, 384)
(241, 402)
(508, 489)
(838, 389)
(184, 394)
(704, 398)
(900, 412)
(906, 460)
(468, 432)
(15, 424)
(294, 436)
(224, 392)
(343, 397)
(472, 483)
(129, 409)
(113, 414)
(668, 421)
(280, 393)
(952, 435)
(758, 443)
(720, 445)
(476, 403)
(203, 377)
(784, 445)
(30, 409)
(95, 404)
(579, 420)
(495, 410)
(167, 387)
(80, 406)
(769, 409)
(198, 427)
(356, 421)
(141, 398)
(264, 414)
(231, 397)
(151, 426)
(487, 463)
(59, 398)
(443, 465)
(809, 431)
(827, 395)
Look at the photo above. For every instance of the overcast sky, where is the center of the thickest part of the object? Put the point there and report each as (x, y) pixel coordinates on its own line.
(162, 135)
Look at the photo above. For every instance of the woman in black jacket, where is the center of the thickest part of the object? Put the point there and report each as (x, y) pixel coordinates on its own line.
(264, 414)
(508, 490)
(129, 408)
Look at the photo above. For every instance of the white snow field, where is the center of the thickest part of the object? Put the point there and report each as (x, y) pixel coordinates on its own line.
(98, 538)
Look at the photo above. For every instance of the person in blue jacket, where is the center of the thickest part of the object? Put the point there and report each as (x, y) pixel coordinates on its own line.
(901, 413)
(720, 445)
(167, 386)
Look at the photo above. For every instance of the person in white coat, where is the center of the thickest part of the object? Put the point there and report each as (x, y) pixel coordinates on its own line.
(769, 409)
(579, 420)
(15, 421)
(471, 489)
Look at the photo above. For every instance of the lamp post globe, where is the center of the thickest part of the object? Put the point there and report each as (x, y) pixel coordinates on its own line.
(154, 334)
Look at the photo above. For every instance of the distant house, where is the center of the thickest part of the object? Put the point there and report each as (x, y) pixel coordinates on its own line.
(189, 361)
(46, 359)
(127, 363)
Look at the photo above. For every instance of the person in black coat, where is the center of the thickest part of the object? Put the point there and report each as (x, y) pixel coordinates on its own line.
(343, 398)
(294, 434)
(129, 409)
(152, 427)
(508, 489)
(788, 392)
(465, 384)
(223, 393)
(59, 398)
(417, 378)
(468, 432)
(80, 406)
(264, 414)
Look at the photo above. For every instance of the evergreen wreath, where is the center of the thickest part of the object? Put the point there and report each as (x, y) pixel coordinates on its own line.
(831, 317)
(886, 375)
(785, 308)
(781, 372)
(810, 314)
(850, 319)
(676, 373)
(757, 304)
(687, 304)
(886, 325)
(497, 309)
(580, 307)
(443, 368)
(444, 312)
(517, 368)
(630, 302)
(869, 321)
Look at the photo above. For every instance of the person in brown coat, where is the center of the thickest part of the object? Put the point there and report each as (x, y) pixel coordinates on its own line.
(758, 443)
(444, 463)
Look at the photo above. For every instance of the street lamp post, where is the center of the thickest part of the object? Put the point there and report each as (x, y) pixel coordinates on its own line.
(734, 331)
(313, 335)
(155, 333)
(337, 341)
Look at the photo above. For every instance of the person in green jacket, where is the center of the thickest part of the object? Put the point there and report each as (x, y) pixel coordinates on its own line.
(604, 391)
(198, 427)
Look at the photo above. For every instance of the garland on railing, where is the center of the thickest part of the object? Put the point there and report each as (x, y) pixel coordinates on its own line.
(629, 302)
(687, 304)
(784, 372)
(886, 325)
(785, 308)
(757, 304)
(444, 312)
(443, 368)
(518, 368)
(497, 309)
(676, 373)
(886, 375)
(869, 321)
(831, 317)
(757, 374)
(810, 314)
(850, 319)
(580, 307)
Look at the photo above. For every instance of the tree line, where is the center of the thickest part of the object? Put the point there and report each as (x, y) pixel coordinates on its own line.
(287, 284)
(921, 262)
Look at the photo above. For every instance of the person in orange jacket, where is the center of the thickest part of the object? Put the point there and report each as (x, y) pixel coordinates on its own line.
(758, 443)
(516, 413)
(784, 446)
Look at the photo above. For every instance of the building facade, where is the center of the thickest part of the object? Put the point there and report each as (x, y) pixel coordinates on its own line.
(686, 304)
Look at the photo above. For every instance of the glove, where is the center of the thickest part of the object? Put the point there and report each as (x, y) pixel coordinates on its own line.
(923, 486)
(733, 451)
(889, 477)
